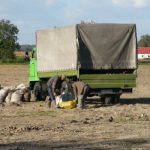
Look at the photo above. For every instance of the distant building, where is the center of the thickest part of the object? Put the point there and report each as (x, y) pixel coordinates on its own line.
(143, 53)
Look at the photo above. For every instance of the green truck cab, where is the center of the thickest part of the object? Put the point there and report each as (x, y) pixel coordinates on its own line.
(33, 67)
(104, 56)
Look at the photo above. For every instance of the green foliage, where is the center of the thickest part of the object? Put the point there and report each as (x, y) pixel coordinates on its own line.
(17, 60)
(8, 40)
(144, 41)
(144, 63)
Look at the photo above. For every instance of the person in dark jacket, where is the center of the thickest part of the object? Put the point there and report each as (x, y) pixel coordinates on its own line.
(53, 84)
(27, 57)
(80, 90)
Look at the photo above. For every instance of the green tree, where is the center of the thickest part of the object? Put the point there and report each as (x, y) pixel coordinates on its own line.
(144, 41)
(8, 39)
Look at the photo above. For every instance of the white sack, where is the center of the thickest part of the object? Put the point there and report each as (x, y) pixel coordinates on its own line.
(3, 94)
(8, 97)
(21, 86)
(16, 97)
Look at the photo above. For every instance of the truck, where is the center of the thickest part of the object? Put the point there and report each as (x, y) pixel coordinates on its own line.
(104, 56)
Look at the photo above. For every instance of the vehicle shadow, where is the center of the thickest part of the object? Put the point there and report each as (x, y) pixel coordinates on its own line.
(96, 102)
(128, 101)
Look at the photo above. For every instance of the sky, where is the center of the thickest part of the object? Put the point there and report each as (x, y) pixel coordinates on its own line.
(32, 15)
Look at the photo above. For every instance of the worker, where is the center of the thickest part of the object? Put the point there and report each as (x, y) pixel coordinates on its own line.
(27, 57)
(53, 84)
(80, 90)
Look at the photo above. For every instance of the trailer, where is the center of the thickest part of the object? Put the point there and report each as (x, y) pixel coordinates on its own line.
(104, 56)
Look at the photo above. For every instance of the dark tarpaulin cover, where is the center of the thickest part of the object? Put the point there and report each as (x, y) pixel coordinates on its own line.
(107, 46)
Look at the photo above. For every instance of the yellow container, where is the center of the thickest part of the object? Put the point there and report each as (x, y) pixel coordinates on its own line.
(68, 104)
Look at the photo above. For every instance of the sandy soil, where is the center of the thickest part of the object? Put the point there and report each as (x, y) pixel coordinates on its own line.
(11, 75)
(34, 126)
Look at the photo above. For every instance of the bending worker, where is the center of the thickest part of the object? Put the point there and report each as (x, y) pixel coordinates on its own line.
(80, 90)
(53, 84)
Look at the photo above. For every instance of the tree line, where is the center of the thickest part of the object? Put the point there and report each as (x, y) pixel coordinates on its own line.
(9, 37)
(9, 41)
(26, 47)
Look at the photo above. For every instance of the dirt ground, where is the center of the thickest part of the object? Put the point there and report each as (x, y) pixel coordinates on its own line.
(33, 126)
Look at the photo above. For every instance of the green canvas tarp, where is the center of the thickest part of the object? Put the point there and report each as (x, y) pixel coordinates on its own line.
(88, 46)
(107, 46)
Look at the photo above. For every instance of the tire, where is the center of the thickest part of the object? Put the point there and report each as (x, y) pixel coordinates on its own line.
(44, 92)
(27, 96)
(116, 99)
(37, 91)
(108, 100)
(103, 100)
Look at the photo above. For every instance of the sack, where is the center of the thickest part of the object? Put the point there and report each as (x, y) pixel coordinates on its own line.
(27, 96)
(67, 97)
(8, 98)
(21, 86)
(68, 104)
(16, 97)
(58, 101)
(3, 94)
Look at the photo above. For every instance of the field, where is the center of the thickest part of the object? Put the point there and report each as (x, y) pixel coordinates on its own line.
(33, 126)
(21, 53)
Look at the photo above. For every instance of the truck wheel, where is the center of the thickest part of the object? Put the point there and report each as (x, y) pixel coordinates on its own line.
(44, 92)
(37, 91)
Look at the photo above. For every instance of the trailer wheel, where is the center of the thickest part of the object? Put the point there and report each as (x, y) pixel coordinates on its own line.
(116, 99)
(37, 91)
(44, 92)
(108, 100)
(103, 100)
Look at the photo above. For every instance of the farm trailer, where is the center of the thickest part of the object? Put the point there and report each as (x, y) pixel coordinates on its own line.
(104, 56)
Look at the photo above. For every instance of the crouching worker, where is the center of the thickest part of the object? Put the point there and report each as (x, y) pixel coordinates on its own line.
(80, 90)
(53, 84)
